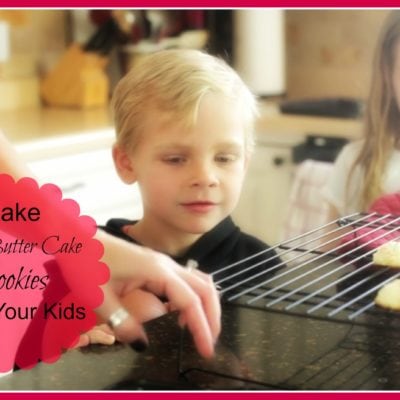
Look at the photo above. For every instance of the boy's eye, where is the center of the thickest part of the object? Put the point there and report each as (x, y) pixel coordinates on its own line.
(226, 158)
(175, 159)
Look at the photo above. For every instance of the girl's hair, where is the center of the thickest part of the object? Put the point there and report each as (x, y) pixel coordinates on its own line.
(173, 82)
(382, 120)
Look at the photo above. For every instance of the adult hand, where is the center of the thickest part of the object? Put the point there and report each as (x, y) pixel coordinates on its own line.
(191, 293)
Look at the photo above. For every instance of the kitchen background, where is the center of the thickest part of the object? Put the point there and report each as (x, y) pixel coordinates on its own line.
(315, 54)
(328, 52)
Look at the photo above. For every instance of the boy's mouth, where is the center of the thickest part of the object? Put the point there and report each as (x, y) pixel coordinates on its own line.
(199, 206)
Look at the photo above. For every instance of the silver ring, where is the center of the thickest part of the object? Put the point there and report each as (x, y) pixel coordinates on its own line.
(191, 265)
(117, 317)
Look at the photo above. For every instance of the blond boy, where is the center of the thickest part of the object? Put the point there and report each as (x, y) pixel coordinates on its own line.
(184, 123)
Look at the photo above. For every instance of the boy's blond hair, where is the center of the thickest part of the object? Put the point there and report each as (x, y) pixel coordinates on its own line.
(173, 82)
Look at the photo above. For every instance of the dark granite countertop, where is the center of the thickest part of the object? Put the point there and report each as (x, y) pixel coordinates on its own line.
(258, 349)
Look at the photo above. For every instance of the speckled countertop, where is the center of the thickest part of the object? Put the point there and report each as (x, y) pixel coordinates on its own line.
(258, 349)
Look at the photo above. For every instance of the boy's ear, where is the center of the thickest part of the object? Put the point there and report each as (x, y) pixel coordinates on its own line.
(123, 165)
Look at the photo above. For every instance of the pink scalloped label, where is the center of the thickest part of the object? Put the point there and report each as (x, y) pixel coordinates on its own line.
(50, 273)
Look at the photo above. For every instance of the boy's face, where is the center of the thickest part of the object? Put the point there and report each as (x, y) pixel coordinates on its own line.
(190, 179)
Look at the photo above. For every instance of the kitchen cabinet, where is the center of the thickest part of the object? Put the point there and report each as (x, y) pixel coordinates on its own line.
(87, 176)
(263, 204)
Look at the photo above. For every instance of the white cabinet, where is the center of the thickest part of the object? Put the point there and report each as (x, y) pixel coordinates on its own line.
(263, 205)
(89, 177)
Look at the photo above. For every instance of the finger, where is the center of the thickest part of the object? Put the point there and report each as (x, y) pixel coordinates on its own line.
(144, 305)
(83, 341)
(204, 286)
(98, 335)
(199, 329)
(101, 334)
(189, 304)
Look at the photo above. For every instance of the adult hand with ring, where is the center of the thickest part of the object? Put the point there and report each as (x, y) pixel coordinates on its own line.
(153, 276)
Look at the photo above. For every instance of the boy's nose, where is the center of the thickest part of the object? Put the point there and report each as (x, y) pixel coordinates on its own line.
(204, 175)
